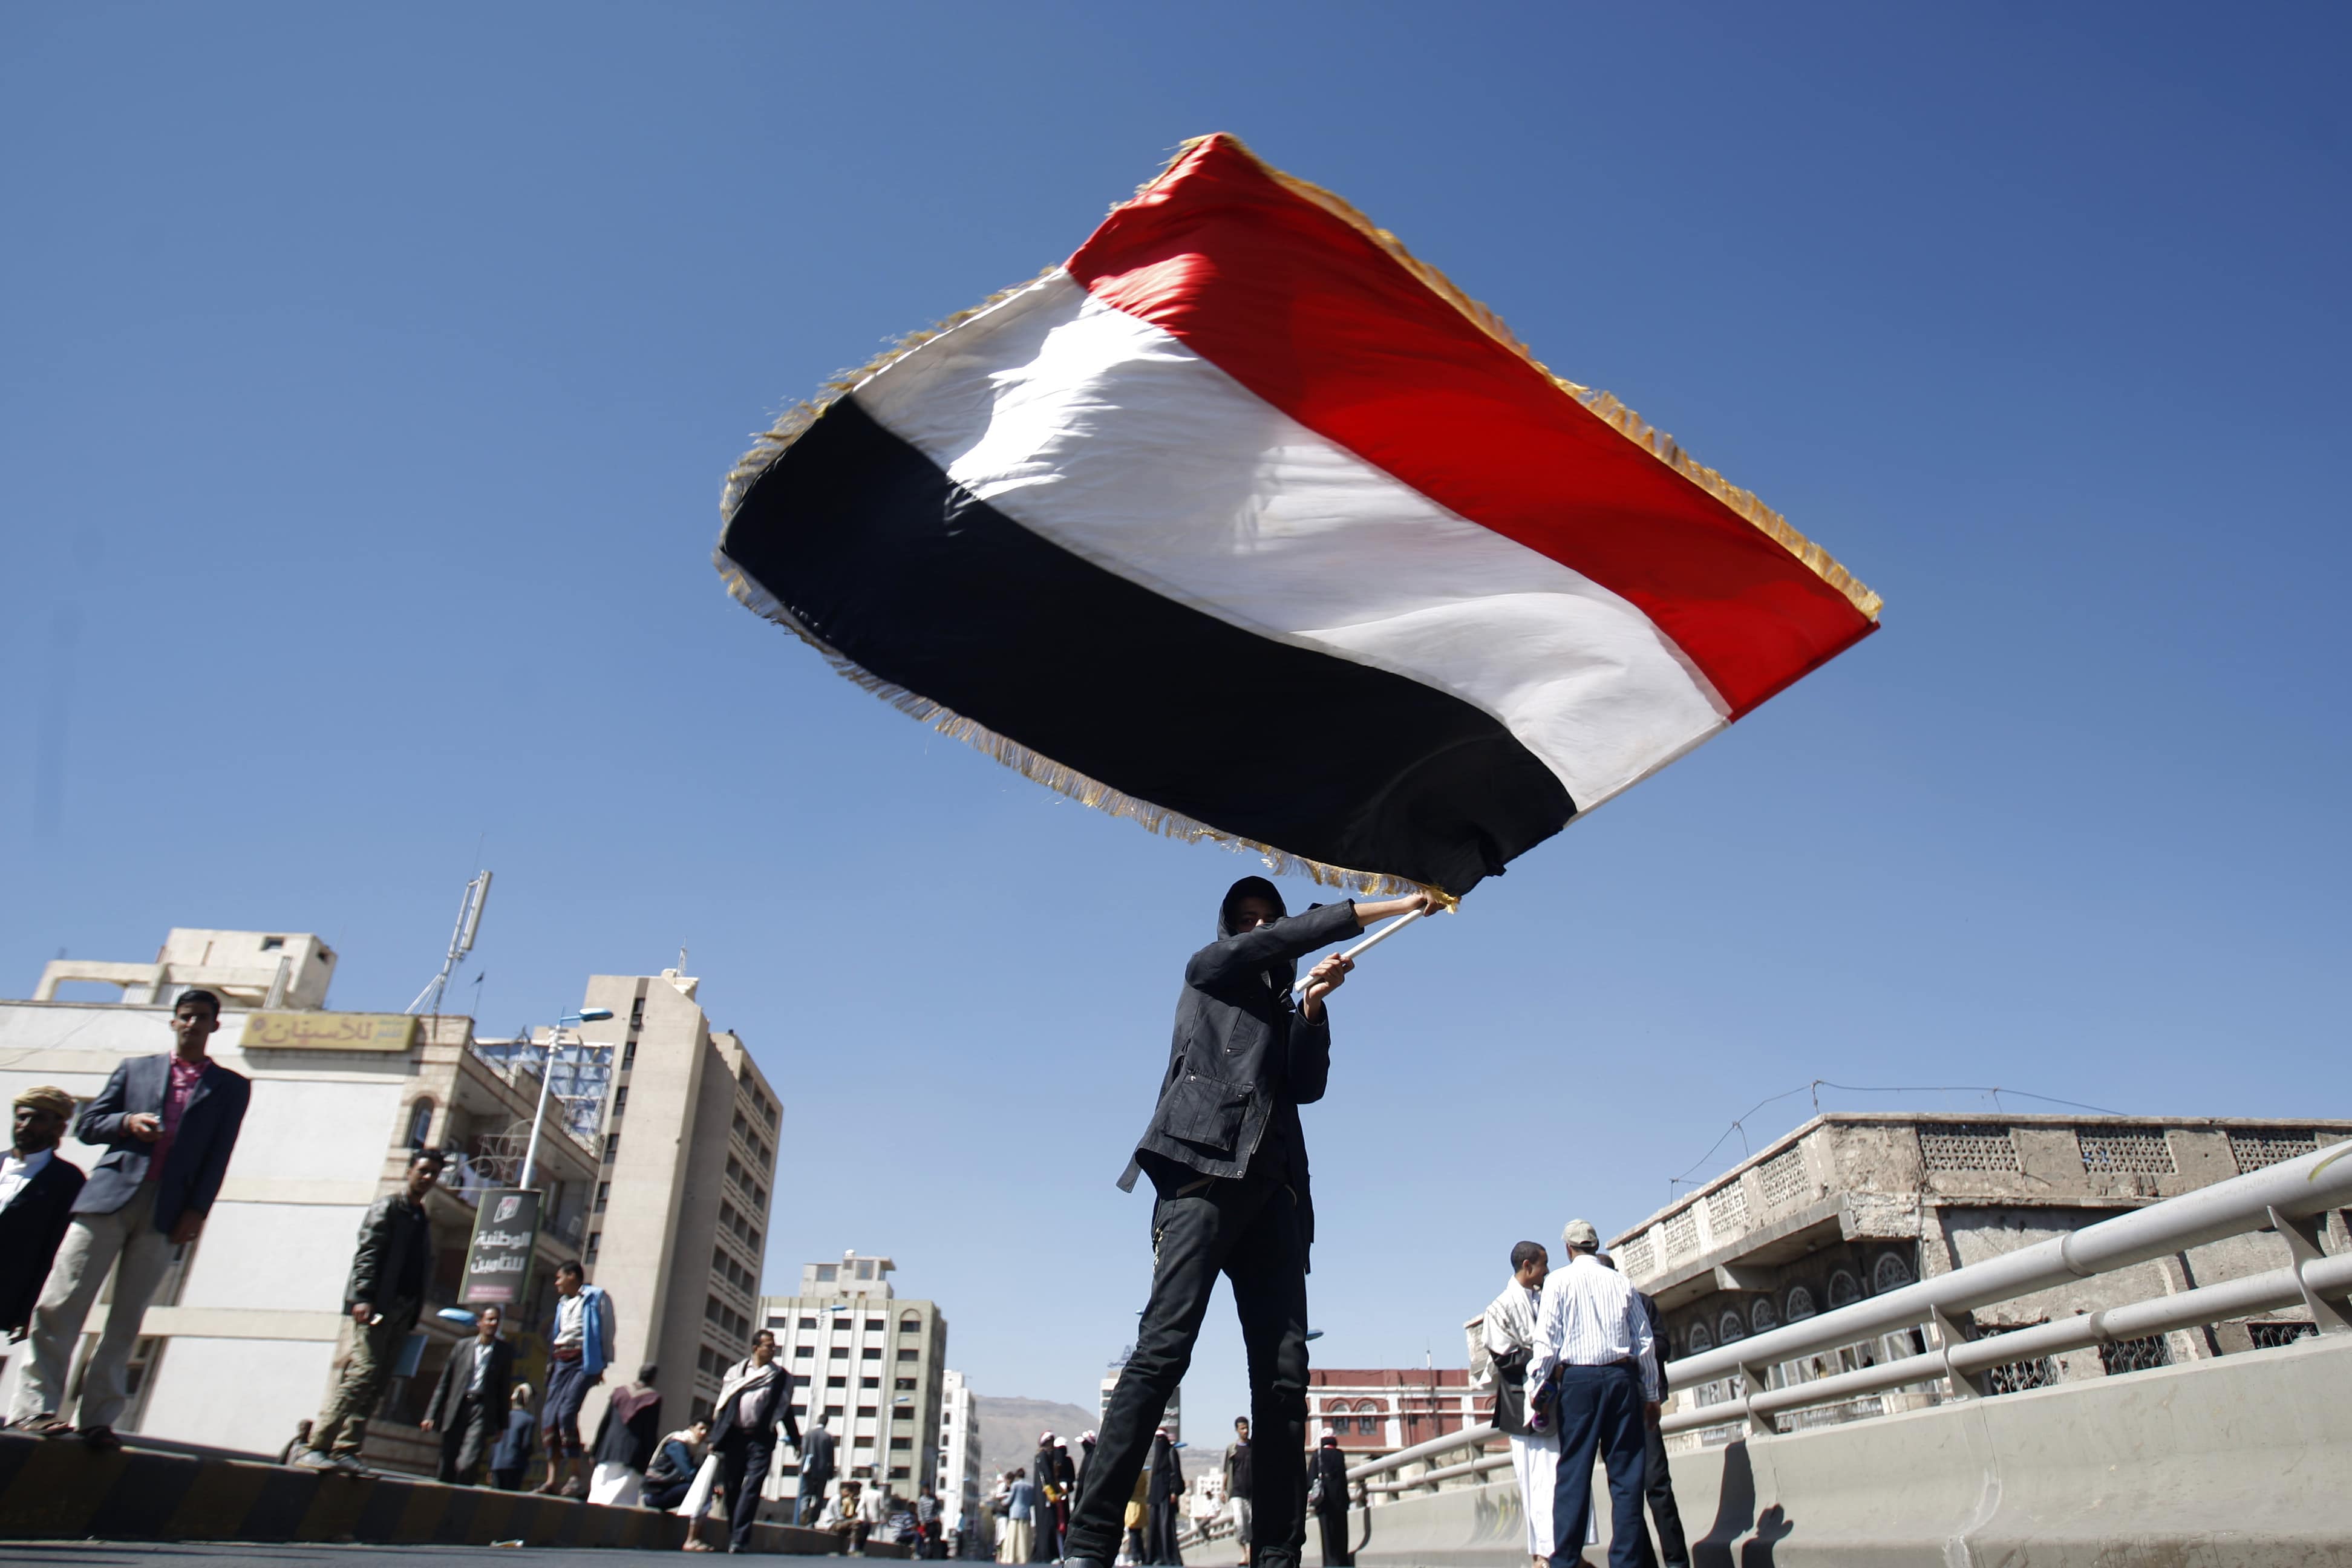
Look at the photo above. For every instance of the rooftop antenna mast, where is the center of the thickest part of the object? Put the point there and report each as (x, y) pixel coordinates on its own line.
(461, 943)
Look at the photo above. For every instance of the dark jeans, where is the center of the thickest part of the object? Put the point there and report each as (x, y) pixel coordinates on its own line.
(510, 1479)
(665, 1494)
(1247, 1230)
(1660, 1487)
(812, 1498)
(743, 1463)
(1599, 1412)
(464, 1442)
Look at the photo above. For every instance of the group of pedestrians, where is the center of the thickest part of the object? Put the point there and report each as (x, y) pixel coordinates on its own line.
(1580, 1377)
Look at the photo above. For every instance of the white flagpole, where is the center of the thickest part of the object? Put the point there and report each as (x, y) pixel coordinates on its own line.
(1372, 942)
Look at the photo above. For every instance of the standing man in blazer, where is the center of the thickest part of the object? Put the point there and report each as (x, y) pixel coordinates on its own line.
(37, 1189)
(169, 1123)
(468, 1408)
(1227, 1157)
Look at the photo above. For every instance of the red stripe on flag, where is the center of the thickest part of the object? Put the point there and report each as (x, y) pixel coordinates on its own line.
(1314, 316)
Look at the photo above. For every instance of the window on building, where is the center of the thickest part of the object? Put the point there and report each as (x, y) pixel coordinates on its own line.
(875, 1325)
(804, 1352)
(595, 1244)
(1761, 1316)
(1700, 1340)
(910, 1354)
(808, 1323)
(612, 1146)
(420, 1121)
(272, 944)
(906, 1382)
(1729, 1328)
(629, 1055)
(603, 1195)
(897, 1472)
(866, 1410)
(1892, 1274)
(2015, 1376)
(910, 1322)
(871, 1352)
(2271, 1336)
(1800, 1304)
(620, 1099)
(902, 1442)
(827, 1272)
(2120, 1356)
(837, 1382)
(1843, 1292)
(865, 1271)
(838, 1353)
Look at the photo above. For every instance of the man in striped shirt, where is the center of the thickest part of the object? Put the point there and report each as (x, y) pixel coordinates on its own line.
(1593, 1355)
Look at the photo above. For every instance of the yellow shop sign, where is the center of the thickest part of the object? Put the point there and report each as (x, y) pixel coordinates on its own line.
(329, 1032)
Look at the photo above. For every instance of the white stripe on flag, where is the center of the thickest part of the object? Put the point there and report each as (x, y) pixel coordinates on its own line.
(1110, 437)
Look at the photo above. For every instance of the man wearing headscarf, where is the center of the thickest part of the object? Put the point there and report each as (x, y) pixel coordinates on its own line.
(1045, 1539)
(1227, 1157)
(37, 1188)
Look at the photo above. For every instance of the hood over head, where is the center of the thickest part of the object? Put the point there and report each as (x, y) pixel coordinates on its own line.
(1248, 887)
(1281, 975)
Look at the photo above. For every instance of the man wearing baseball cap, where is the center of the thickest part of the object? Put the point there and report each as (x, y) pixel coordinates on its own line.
(1597, 1364)
(37, 1188)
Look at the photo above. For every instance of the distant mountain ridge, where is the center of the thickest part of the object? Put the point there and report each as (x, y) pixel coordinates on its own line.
(1009, 1425)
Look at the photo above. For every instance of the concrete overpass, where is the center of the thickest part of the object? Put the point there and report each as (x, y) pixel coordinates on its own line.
(2243, 1461)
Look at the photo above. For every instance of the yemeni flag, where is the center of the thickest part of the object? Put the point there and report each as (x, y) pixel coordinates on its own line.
(1246, 524)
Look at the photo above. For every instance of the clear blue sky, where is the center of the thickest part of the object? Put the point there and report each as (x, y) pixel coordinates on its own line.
(367, 379)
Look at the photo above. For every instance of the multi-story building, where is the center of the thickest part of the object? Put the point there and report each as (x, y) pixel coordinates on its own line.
(957, 1481)
(1172, 1417)
(871, 1364)
(1377, 1411)
(1852, 1206)
(248, 1332)
(687, 1170)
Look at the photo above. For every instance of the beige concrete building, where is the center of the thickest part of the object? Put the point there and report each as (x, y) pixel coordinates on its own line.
(248, 1332)
(873, 1365)
(687, 1163)
(1848, 1206)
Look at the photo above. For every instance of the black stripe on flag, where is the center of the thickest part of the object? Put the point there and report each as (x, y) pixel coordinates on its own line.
(902, 571)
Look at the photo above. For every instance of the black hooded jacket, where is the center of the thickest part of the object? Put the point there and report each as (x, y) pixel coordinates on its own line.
(1243, 1059)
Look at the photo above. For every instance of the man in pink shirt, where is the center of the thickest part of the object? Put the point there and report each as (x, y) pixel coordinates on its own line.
(169, 1124)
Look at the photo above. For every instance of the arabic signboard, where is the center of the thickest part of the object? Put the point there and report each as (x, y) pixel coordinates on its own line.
(329, 1032)
(498, 1264)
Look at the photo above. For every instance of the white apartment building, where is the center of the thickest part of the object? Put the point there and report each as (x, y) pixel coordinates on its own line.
(957, 1481)
(873, 1365)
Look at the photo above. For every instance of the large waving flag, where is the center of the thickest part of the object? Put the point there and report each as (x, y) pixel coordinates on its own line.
(1245, 523)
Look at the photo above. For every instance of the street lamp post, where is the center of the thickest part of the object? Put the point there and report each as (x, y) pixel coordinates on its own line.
(547, 1076)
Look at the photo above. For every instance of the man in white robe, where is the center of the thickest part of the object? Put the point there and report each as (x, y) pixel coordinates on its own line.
(1511, 1334)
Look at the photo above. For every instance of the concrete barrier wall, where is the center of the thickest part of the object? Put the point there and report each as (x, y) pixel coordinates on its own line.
(2239, 1462)
(53, 1488)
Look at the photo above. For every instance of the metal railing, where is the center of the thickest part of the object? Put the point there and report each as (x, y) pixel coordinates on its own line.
(2284, 1197)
